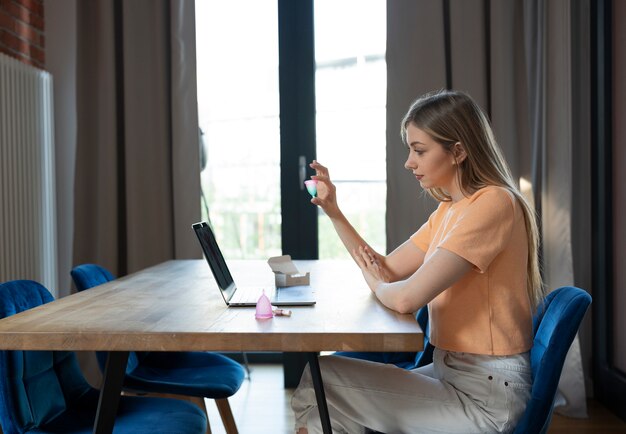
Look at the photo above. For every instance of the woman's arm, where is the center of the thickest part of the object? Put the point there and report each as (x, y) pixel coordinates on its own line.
(437, 274)
(399, 264)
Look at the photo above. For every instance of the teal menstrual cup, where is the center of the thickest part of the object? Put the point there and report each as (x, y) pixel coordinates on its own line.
(311, 186)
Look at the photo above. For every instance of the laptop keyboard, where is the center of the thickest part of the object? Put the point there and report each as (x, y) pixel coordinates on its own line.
(246, 295)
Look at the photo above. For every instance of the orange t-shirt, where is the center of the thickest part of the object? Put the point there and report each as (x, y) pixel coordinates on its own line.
(488, 310)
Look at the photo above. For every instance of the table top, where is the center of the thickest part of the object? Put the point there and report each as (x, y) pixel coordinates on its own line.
(176, 306)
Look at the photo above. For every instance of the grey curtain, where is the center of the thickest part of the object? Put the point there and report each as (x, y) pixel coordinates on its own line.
(519, 61)
(61, 41)
(137, 188)
(137, 182)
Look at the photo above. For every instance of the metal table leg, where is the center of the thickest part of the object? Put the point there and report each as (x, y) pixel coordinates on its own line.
(318, 386)
(114, 372)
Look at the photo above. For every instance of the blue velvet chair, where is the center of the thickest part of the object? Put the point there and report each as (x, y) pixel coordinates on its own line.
(554, 326)
(45, 391)
(406, 360)
(192, 375)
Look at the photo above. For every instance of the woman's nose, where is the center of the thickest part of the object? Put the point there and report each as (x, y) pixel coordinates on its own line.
(408, 164)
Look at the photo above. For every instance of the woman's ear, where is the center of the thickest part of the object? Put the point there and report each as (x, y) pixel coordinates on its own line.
(458, 152)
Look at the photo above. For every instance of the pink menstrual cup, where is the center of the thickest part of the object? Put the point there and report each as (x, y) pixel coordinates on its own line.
(311, 186)
(263, 307)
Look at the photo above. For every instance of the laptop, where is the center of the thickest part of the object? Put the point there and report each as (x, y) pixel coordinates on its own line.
(245, 296)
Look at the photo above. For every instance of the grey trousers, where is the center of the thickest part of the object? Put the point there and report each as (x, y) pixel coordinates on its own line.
(457, 393)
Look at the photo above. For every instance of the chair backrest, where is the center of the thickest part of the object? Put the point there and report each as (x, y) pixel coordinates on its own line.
(87, 276)
(426, 355)
(35, 386)
(554, 327)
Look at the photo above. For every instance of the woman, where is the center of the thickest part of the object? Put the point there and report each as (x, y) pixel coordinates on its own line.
(474, 262)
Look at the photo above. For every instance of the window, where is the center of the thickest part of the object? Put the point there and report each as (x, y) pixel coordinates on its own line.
(350, 87)
(238, 99)
(237, 58)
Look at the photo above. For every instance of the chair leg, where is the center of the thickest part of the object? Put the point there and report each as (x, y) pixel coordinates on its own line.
(246, 364)
(227, 416)
(199, 401)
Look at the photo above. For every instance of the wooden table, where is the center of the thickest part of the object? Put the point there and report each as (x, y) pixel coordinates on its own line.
(176, 306)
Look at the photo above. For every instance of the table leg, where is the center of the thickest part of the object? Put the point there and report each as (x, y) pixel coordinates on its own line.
(114, 372)
(318, 386)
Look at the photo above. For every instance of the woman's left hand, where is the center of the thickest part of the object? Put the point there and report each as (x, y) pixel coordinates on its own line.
(370, 265)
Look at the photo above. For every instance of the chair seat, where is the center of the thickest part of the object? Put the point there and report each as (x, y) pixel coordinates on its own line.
(207, 375)
(404, 360)
(136, 415)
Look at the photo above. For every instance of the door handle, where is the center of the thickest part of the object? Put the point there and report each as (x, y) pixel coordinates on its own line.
(302, 170)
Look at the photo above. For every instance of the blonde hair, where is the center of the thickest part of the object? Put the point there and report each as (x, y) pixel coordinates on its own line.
(450, 117)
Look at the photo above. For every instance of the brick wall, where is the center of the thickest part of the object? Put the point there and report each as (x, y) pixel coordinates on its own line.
(22, 30)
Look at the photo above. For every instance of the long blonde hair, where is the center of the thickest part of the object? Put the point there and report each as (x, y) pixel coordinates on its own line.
(450, 117)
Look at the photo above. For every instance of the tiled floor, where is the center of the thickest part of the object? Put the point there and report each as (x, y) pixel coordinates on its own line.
(261, 406)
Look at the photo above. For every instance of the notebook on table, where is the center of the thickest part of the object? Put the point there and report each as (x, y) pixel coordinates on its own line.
(245, 296)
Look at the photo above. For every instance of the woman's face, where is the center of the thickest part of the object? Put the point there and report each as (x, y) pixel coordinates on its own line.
(430, 163)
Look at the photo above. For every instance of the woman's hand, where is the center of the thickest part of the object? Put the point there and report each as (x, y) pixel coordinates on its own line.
(326, 192)
(372, 265)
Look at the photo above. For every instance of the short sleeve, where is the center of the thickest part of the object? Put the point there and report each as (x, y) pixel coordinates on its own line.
(483, 228)
(424, 235)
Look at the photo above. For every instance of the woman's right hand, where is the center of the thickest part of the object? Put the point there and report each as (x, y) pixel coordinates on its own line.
(372, 265)
(326, 192)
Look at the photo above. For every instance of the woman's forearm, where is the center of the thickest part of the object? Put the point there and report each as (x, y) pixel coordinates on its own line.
(396, 296)
(347, 234)
(390, 271)
(441, 271)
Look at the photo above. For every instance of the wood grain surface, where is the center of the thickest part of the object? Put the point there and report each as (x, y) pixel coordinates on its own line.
(176, 306)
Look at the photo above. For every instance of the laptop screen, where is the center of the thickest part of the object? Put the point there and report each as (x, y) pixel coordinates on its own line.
(215, 258)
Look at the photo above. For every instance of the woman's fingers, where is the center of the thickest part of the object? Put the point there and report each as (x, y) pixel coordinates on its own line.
(371, 253)
(319, 169)
(321, 178)
(367, 260)
(378, 264)
(367, 255)
(359, 260)
(316, 165)
(357, 257)
(325, 190)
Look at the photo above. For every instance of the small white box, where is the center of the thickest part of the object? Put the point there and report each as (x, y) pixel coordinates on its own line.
(286, 273)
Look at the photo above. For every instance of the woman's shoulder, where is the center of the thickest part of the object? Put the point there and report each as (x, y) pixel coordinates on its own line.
(493, 199)
(493, 193)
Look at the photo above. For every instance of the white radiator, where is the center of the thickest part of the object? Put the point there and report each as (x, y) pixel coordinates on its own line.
(27, 186)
